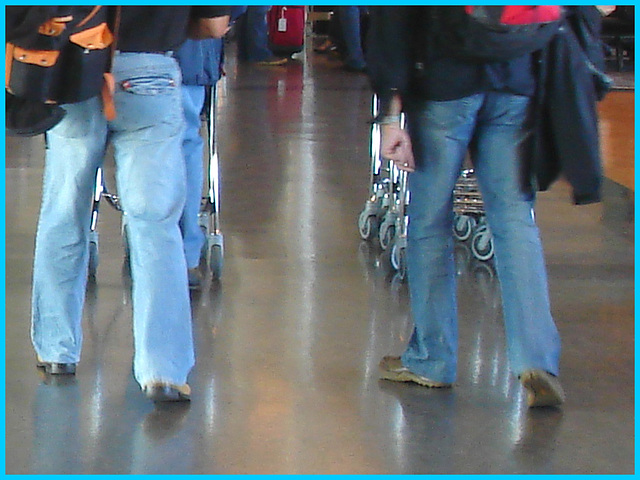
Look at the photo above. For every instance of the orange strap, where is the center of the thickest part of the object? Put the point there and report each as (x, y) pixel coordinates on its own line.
(108, 91)
(109, 85)
(90, 16)
(8, 60)
(95, 38)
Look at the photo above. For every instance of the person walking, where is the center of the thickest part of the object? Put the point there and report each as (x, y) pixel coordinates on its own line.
(349, 18)
(150, 175)
(454, 106)
(253, 38)
(201, 66)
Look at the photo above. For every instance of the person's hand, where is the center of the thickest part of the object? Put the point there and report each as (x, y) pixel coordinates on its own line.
(396, 146)
(203, 28)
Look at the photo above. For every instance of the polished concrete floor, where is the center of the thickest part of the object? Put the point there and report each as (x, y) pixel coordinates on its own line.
(289, 341)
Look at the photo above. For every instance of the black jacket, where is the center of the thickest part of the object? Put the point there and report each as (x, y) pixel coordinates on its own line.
(160, 28)
(401, 55)
(565, 140)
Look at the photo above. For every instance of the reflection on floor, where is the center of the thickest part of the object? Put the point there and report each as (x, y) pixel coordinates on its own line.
(289, 341)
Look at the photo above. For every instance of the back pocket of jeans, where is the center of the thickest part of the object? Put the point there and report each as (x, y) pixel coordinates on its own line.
(149, 85)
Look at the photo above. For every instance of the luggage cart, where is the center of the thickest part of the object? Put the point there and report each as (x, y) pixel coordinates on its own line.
(100, 191)
(393, 229)
(380, 184)
(393, 221)
(399, 240)
(209, 216)
(389, 225)
(469, 217)
(384, 214)
(469, 221)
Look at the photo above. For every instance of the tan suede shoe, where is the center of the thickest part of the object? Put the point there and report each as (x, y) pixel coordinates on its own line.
(391, 368)
(543, 389)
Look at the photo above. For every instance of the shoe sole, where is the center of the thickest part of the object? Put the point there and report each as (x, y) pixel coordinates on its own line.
(407, 377)
(57, 368)
(166, 394)
(540, 390)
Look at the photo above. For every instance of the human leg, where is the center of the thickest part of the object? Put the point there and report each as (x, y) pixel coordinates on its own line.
(532, 337)
(440, 133)
(349, 18)
(150, 176)
(254, 34)
(75, 149)
(192, 145)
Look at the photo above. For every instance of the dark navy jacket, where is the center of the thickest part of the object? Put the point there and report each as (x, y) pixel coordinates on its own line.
(567, 139)
(400, 56)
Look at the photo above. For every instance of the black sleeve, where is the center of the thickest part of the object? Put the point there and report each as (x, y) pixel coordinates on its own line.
(210, 11)
(586, 26)
(389, 50)
(21, 23)
(571, 100)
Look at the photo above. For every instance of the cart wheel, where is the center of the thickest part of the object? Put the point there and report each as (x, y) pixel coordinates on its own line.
(482, 244)
(216, 262)
(398, 260)
(386, 235)
(368, 226)
(94, 257)
(463, 225)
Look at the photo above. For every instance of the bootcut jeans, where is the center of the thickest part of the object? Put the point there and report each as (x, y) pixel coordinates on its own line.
(493, 127)
(150, 180)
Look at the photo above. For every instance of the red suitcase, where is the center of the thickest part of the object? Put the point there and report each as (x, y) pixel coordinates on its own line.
(286, 29)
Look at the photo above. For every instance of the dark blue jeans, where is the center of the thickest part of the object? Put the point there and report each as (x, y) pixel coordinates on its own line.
(349, 18)
(253, 43)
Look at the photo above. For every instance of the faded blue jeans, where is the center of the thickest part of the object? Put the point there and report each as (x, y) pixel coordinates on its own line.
(192, 147)
(493, 126)
(150, 180)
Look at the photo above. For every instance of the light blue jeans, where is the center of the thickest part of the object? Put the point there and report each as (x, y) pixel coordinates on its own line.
(150, 180)
(494, 127)
(192, 147)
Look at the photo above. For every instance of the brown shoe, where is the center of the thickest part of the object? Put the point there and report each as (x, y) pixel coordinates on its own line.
(326, 47)
(391, 368)
(164, 392)
(543, 389)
